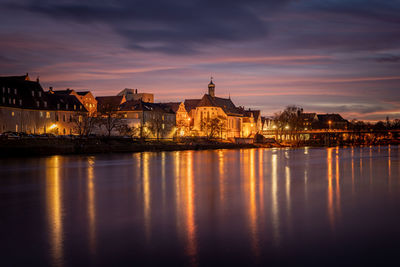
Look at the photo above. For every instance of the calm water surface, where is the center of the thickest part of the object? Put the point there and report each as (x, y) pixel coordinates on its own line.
(195, 208)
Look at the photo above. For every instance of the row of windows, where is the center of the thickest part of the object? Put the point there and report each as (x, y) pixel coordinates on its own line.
(9, 90)
(11, 101)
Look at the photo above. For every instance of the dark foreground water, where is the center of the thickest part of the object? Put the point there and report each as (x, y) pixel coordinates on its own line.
(335, 206)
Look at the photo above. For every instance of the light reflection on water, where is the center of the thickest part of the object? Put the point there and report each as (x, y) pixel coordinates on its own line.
(250, 206)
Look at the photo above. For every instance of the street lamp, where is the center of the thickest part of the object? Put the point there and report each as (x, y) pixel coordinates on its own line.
(330, 123)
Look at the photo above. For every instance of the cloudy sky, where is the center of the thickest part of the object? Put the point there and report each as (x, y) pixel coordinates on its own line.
(324, 55)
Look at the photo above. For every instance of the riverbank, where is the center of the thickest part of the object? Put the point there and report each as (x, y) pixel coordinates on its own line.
(56, 146)
(62, 146)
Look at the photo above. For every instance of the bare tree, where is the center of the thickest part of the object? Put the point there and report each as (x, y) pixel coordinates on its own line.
(110, 118)
(156, 124)
(213, 127)
(289, 120)
(83, 124)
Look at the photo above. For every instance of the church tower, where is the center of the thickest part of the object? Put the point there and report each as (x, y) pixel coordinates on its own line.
(211, 88)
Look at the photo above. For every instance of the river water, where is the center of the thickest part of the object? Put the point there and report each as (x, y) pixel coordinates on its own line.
(314, 206)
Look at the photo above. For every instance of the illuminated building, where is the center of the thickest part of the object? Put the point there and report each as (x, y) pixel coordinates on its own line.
(26, 107)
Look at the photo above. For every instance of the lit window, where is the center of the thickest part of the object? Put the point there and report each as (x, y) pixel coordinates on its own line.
(14, 101)
(33, 93)
(58, 105)
(74, 107)
(20, 102)
(12, 114)
(15, 91)
(40, 94)
(66, 106)
(9, 101)
(41, 114)
(48, 115)
(8, 89)
(45, 104)
(37, 103)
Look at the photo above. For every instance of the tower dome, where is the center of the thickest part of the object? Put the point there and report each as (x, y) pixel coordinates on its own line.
(211, 88)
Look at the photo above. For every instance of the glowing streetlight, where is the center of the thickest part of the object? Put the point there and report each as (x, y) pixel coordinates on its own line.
(51, 127)
(330, 123)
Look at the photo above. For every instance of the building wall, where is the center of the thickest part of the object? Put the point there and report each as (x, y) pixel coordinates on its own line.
(36, 121)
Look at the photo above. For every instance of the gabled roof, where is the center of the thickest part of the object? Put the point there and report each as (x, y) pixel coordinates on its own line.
(330, 117)
(225, 103)
(139, 105)
(109, 102)
(308, 116)
(65, 102)
(191, 104)
(173, 105)
(30, 95)
(83, 92)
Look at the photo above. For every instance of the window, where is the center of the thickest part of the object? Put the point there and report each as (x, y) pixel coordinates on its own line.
(56, 117)
(58, 105)
(12, 114)
(41, 114)
(9, 101)
(40, 94)
(15, 91)
(33, 93)
(14, 101)
(37, 103)
(20, 102)
(74, 107)
(8, 89)
(64, 117)
(66, 106)
(80, 118)
(45, 104)
(48, 115)
(4, 99)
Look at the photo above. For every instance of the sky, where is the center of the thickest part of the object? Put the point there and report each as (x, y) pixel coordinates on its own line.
(327, 56)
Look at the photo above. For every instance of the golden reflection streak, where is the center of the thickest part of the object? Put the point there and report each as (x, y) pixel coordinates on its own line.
(253, 202)
(389, 169)
(288, 203)
(177, 188)
(330, 189)
(54, 209)
(221, 165)
(274, 195)
(261, 180)
(190, 209)
(91, 206)
(352, 170)
(337, 173)
(370, 167)
(163, 186)
(146, 195)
